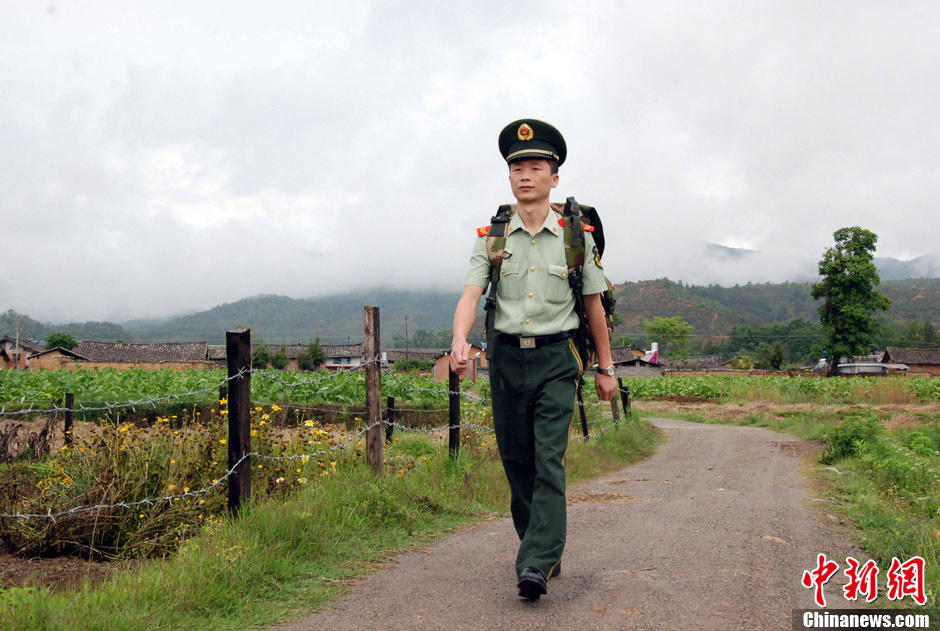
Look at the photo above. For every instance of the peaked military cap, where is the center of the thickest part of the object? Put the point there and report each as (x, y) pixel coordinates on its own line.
(531, 138)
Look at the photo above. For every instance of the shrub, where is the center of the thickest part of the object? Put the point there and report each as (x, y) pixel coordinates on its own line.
(851, 437)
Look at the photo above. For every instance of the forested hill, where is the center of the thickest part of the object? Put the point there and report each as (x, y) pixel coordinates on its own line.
(277, 319)
(712, 310)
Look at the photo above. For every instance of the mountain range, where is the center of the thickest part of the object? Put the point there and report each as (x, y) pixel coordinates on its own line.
(712, 310)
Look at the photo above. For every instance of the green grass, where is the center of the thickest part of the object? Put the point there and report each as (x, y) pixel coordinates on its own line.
(282, 558)
(887, 483)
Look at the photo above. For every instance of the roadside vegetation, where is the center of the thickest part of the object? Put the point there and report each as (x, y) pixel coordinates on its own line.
(312, 527)
(879, 464)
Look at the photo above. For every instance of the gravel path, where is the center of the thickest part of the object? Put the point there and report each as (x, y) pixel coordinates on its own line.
(711, 533)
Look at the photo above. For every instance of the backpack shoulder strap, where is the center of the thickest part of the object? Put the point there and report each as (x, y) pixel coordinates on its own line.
(496, 235)
(574, 237)
(495, 251)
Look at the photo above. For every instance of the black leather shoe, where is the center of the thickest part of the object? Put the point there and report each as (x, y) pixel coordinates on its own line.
(555, 571)
(531, 583)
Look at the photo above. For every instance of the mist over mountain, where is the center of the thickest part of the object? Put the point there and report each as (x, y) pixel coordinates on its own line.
(712, 309)
(787, 265)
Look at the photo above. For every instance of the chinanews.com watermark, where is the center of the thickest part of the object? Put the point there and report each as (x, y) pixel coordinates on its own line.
(867, 619)
(903, 579)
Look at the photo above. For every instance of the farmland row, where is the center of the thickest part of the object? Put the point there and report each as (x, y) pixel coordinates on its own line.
(23, 389)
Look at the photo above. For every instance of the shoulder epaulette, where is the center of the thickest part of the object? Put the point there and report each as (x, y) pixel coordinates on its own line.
(484, 231)
(587, 227)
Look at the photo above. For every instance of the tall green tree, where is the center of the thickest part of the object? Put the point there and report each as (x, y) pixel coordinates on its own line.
(313, 357)
(671, 333)
(61, 339)
(279, 359)
(848, 294)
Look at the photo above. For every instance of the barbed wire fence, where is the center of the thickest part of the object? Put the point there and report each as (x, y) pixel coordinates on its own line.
(237, 385)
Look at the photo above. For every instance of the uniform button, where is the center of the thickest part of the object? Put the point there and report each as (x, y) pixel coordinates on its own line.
(503, 272)
(533, 241)
(531, 294)
(564, 274)
(527, 321)
(532, 268)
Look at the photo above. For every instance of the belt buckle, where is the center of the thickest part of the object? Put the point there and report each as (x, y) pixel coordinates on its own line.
(526, 342)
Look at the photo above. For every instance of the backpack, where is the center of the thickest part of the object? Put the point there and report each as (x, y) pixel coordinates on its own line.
(576, 219)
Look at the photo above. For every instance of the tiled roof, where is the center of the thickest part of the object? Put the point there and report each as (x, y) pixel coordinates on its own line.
(342, 350)
(912, 356)
(216, 352)
(703, 361)
(623, 354)
(25, 345)
(398, 354)
(161, 352)
(62, 351)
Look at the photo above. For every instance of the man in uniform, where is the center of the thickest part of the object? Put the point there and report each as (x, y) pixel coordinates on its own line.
(534, 365)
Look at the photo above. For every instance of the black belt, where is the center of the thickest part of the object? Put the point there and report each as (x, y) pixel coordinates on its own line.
(532, 341)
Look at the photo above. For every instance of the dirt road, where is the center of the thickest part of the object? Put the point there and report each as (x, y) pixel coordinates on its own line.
(711, 533)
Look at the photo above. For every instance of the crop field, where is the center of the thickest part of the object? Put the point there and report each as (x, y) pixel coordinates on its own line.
(151, 480)
(24, 389)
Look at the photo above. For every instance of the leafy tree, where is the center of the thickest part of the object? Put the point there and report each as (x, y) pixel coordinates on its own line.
(279, 360)
(313, 357)
(260, 356)
(61, 339)
(930, 336)
(672, 333)
(771, 355)
(848, 293)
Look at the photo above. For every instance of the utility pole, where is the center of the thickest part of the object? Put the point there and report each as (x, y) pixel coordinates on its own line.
(406, 339)
(16, 347)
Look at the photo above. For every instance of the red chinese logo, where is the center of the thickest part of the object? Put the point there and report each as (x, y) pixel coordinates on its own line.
(819, 577)
(903, 579)
(907, 579)
(862, 580)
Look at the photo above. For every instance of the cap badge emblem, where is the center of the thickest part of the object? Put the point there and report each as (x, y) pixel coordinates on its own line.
(525, 132)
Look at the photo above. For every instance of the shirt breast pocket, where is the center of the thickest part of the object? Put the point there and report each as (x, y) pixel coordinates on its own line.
(511, 281)
(557, 289)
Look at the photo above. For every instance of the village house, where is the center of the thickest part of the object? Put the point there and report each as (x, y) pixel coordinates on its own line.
(922, 361)
(17, 356)
(476, 369)
(151, 356)
(336, 355)
(54, 358)
(630, 361)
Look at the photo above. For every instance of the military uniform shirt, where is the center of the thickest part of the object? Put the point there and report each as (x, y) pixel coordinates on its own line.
(533, 296)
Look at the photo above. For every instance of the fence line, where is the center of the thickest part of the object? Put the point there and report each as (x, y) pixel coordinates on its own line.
(302, 457)
(237, 385)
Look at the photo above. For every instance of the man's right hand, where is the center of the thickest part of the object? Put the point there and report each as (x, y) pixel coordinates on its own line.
(459, 356)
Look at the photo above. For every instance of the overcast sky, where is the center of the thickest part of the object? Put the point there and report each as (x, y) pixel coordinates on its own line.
(164, 157)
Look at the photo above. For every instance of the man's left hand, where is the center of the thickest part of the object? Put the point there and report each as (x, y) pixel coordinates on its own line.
(605, 385)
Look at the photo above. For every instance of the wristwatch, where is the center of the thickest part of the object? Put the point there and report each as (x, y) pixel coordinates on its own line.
(609, 371)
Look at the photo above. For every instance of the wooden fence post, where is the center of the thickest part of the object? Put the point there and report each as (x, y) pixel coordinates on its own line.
(625, 399)
(238, 354)
(390, 415)
(584, 427)
(223, 392)
(371, 350)
(454, 416)
(69, 404)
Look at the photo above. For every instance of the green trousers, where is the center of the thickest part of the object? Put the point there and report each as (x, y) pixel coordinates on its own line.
(533, 391)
